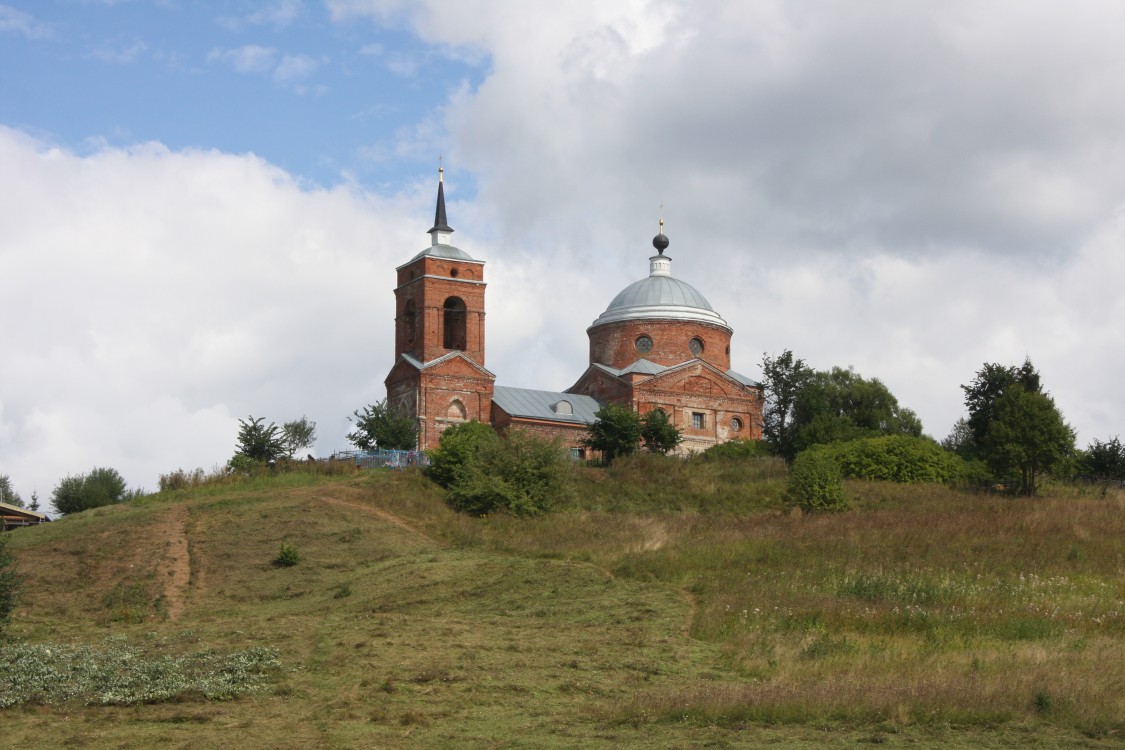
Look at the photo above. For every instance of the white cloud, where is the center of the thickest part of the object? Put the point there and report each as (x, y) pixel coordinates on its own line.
(17, 21)
(163, 294)
(119, 54)
(295, 68)
(279, 14)
(250, 58)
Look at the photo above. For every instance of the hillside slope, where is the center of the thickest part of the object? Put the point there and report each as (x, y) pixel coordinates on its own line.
(404, 625)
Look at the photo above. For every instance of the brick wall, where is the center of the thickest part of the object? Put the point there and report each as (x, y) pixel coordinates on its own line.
(615, 344)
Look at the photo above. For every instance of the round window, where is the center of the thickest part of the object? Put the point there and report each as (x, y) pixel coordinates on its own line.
(454, 273)
(736, 424)
(643, 344)
(696, 346)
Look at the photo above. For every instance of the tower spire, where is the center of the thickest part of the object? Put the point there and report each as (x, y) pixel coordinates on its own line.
(441, 230)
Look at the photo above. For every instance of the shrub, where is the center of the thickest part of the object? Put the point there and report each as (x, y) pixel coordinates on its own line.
(181, 480)
(100, 487)
(9, 583)
(521, 474)
(895, 458)
(815, 483)
(737, 449)
(287, 556)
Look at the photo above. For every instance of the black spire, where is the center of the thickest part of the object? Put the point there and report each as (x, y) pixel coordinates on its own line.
(440, 222)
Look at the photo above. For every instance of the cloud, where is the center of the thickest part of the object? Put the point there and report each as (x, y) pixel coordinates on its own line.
(164, 293)
(250, 58)
(279, 14)
(291, 70)
(295, 68)
(19, 22)
(119, 54)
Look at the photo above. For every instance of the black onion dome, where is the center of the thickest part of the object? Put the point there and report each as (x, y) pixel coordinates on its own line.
(660, 242)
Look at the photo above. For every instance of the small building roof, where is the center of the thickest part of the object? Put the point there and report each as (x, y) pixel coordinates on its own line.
(546, 405)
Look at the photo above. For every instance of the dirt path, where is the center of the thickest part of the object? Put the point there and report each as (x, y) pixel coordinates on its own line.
(172, 535)
(360, 500)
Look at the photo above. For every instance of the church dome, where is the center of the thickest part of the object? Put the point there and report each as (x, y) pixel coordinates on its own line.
(660, 297)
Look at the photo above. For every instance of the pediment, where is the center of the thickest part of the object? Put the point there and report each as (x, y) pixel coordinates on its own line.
(698, 378)
(599, 384)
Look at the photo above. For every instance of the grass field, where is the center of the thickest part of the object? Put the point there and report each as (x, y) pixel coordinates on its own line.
(672, 605)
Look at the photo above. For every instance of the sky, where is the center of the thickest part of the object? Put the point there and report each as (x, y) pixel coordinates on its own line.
(202, 203)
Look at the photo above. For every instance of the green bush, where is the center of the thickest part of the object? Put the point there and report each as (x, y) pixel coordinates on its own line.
(737, 449)
(520, 474)
(815, 483)
(287, 556)
(100, 487)
(9, 583)
(895, 458)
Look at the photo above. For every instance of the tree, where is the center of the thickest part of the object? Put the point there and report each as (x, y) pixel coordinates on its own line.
(258, 442)
(839, 405)
(102, 486)
(9, 583)
(783, 378)
(658, 433)
(991, 382)
(1026, 436)
(380, 426)
(1105, 460)
(616, 431)
(484, 473)
(298, 435)
(34, 504)
(8, 494)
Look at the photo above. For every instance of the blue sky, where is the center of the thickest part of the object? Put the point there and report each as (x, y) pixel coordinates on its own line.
(204, 203)
(326, 100)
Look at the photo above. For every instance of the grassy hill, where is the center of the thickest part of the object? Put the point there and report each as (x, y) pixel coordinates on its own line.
(673, 605)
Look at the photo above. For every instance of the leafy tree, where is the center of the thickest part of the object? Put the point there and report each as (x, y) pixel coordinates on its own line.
(1105, 460)
(9, 583)
(616, 431)
(380, 426)
(258, 442)
(298, 435)
(34, 504)
(783, 379)
(840, 405)
(460, 447)
(658, 433)
(520, 474)
(981, 395)
(8, 494)
(815, 483)
(102, 486)
(1026, 436)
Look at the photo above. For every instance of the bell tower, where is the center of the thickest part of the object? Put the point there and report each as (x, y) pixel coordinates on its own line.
(439, 374)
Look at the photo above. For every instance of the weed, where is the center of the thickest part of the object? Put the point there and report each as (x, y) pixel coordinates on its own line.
(287, 556)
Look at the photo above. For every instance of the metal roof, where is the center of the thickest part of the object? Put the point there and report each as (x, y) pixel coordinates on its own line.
(524, 402)
(660, 297)
(443, 251)
(743, 379)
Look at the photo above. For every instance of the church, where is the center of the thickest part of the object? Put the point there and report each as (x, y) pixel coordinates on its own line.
(658, 345)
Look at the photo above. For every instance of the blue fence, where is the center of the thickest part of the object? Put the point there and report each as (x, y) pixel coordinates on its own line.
(383, 459)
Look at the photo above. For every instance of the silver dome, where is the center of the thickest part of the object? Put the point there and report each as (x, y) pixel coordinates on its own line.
(660, 297)
(443, 251)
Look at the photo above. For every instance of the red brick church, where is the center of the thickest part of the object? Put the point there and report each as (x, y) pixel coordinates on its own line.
(658, 345)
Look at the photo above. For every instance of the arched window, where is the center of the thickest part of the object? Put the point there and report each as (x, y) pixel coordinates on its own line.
(456, 410)
(454, 329)
(409, 319)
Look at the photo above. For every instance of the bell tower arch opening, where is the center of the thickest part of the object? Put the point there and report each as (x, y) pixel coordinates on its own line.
(454, 324)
